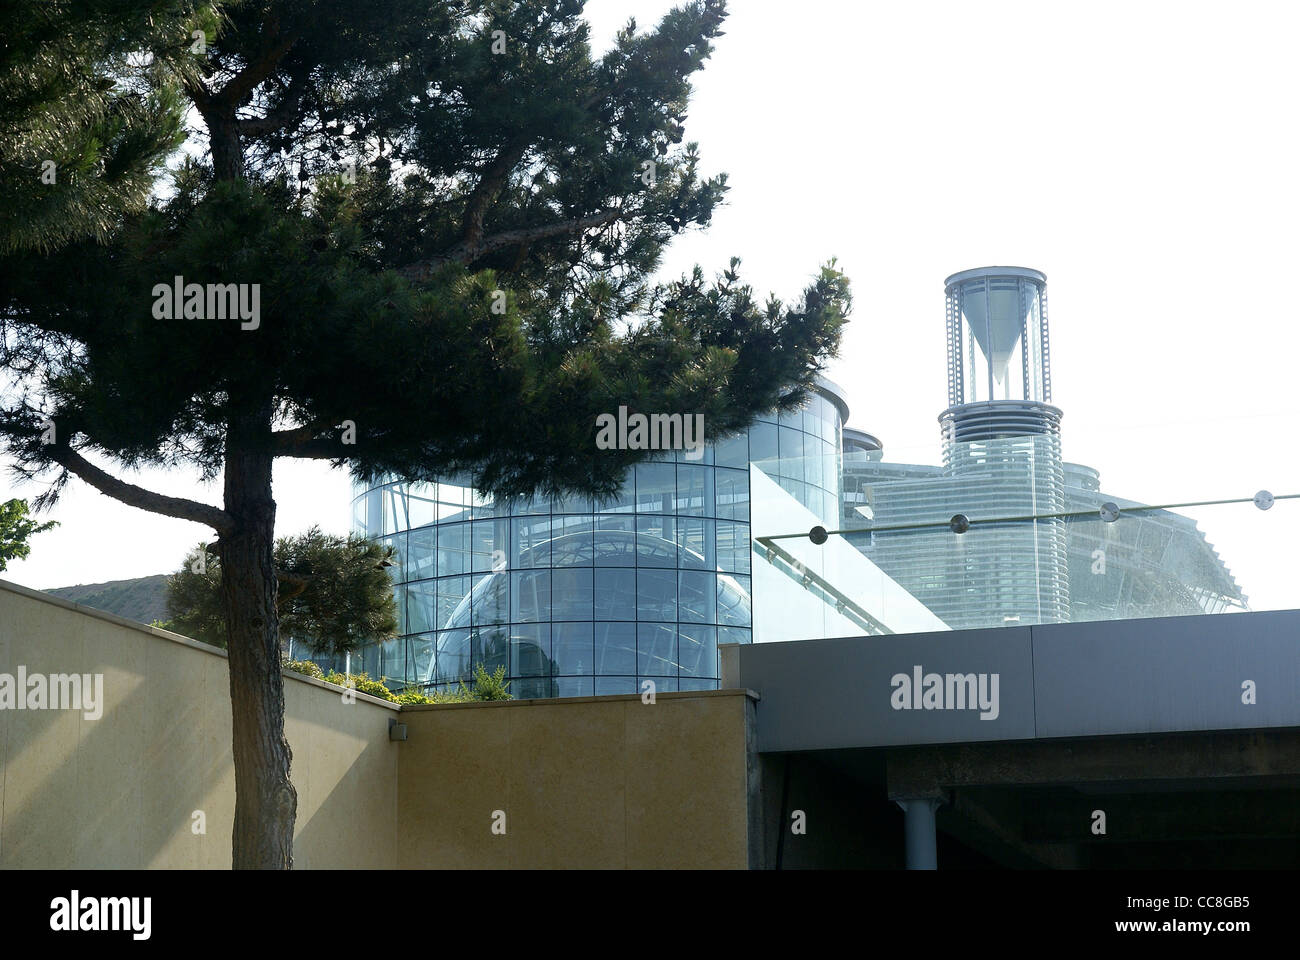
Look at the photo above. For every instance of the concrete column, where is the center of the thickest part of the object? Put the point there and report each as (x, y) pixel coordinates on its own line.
(920, 842)
(729, 666)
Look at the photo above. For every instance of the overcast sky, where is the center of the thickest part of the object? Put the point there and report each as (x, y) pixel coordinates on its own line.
(1143, 156)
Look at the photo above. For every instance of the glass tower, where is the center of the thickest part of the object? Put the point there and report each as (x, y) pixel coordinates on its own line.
(1002, 459)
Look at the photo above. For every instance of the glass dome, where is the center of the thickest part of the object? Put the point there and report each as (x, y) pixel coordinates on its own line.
(581, 598)
(497, 647)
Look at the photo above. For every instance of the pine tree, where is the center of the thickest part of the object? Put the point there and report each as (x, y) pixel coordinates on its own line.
(89, 110)
(444, 217)
(335, 593)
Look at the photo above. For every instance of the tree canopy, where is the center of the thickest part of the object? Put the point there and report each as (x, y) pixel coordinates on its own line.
(89, 111)
(335, 593)
(17, 527)
(408, 237)
(489, 263)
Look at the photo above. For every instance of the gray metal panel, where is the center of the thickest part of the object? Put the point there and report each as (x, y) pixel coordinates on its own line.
(1167, 674)
(1160, 675)
(833, 392)
(820, 694)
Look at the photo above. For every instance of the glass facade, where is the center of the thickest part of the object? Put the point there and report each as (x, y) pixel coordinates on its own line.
(578, 598)
(1026, 571)
(575, 598)
(1034, 547)
(1003, 573)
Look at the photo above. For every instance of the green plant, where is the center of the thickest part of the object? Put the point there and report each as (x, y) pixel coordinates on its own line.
(501, 239)
(71, 109)
(306, 667)
(362, 684)
(490, 686)
(412, 696)
(335, 593)
(16, 526)
(486, 686)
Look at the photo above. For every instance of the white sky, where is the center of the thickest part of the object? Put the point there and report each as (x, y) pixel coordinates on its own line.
(1142, 156)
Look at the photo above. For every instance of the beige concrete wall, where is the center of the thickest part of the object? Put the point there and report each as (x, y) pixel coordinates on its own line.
(592, 782)
(120, 790)
(596, 782)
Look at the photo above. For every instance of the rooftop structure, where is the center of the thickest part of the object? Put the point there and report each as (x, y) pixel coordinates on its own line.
(1002, 459)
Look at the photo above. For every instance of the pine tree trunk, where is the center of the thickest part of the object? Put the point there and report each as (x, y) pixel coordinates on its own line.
(266, 803)
(227, 150)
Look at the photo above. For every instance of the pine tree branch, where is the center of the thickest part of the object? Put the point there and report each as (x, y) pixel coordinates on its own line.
(281, 115)
(466, 254)
(308, 448)
(218, 108)
(198, 93)
(296, 583)
(287, 441)
(233, 94)
(134, 496)
(489, 187)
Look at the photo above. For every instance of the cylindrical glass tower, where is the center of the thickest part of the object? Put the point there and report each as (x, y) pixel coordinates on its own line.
(575, 598)
(997, 336)
(1002, 459)
(1002, 442)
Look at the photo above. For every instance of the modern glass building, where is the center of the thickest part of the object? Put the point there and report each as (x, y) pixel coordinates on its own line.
(1002, 459)
(577, 598)
(1151, 563)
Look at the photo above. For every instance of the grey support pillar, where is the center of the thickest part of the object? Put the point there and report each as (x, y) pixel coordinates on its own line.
(919, 838)
(728, 666)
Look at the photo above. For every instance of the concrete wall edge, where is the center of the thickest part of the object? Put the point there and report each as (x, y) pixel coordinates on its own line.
(561, 701)
(113, 618)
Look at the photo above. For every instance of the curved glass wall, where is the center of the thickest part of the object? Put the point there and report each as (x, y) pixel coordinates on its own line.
(1001, 573)
(578, 598)
(1034, 567)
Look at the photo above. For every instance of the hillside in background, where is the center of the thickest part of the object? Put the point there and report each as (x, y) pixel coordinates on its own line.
(143, 599)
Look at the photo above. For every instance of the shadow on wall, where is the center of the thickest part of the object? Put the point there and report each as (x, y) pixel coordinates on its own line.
(150, 782)
(120, 790)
